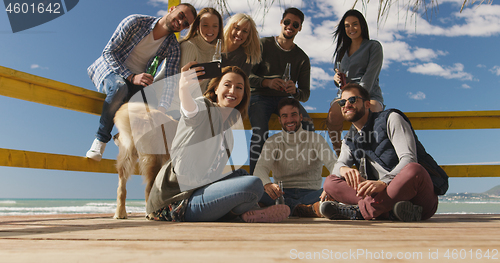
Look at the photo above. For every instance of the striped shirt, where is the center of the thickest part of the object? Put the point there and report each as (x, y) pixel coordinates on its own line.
(127, 35)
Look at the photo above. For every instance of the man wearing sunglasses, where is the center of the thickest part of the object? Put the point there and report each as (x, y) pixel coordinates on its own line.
(120, 70)
(403, 180)
(267, 84)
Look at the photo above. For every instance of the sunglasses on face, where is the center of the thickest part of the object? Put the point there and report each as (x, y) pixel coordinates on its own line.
(351, 100)
(183, 17)
(288, 21)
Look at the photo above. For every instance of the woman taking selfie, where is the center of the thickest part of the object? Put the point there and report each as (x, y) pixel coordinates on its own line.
(193, 185)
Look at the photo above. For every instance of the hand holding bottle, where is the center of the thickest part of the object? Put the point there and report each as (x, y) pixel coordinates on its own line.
(143, 79)
(340, 77)
(273, 190)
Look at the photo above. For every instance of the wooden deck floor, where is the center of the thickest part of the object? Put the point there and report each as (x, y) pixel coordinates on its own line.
(99, 238)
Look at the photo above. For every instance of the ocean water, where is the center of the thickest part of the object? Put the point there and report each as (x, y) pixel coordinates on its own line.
(469, 204)
(66, 206)
(447, 205)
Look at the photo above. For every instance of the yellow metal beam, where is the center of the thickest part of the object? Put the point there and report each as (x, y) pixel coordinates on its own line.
(472, 170)
(454, 120)
(420, 120)
(37, 160)
(20, 85)
(24, 86)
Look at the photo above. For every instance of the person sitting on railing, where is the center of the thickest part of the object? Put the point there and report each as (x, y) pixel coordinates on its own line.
(296, 157)
(120, 70)
(400, 180)
(359, 60)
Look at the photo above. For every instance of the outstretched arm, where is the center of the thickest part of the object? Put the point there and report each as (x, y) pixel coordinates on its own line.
(188, 78)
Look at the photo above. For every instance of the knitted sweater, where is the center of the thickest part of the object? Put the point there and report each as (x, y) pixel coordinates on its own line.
(297, 159)
(197, 49)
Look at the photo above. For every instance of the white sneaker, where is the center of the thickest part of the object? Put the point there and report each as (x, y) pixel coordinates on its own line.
(96, 150)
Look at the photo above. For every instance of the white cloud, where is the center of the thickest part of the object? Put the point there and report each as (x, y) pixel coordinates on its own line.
(309, 108)
(319, 78)
(496, 70)
(481, 66)
(416, 96)
(36, 66)
(400, 51)
(465, 86)
(452, 72)
(395, 32)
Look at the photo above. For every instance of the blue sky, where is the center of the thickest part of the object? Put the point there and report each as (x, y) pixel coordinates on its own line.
(447, 63)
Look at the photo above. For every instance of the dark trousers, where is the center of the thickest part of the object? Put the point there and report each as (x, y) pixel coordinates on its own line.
(412, 184)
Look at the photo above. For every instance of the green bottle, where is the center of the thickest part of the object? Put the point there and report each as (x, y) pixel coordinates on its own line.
(153, 66)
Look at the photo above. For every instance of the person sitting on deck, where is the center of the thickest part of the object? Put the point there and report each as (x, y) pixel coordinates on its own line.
(296, 157)
(403, 180)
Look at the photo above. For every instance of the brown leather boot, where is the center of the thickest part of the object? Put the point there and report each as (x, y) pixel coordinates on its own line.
(302, 210)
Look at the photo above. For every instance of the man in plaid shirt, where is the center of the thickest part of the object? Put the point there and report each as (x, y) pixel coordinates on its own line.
(120, 70)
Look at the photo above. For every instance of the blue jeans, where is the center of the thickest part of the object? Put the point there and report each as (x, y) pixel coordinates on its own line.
(260, 110)
(294, 196)
(118, 91)
(237, 193)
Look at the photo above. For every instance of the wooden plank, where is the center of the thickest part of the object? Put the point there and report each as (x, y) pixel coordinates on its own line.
(100, 238)
(32, 88)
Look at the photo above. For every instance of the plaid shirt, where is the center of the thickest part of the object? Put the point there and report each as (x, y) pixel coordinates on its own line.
(127, 35)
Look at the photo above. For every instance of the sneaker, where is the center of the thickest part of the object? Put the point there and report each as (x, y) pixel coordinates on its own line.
(96, 150)
(312, 210)
(406, 211)
(336, 210)
(271, 214)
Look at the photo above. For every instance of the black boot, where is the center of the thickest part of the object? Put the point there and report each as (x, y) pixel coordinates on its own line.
(335, 210)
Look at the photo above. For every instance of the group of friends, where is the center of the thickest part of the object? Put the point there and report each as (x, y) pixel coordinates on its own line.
(400, 180)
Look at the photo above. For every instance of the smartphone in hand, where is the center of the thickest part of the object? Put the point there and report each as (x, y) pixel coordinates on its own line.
(212, 69)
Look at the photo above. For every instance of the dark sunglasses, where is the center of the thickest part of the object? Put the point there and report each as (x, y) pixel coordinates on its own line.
(288, 21)
(351, 100)
(183, 17)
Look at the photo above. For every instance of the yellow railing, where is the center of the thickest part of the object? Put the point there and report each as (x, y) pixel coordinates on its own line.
(32, 88)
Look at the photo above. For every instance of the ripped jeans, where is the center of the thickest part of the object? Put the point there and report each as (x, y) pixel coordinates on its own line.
(118, 91)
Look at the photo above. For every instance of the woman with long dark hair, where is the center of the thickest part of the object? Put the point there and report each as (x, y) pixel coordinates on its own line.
(360, 59)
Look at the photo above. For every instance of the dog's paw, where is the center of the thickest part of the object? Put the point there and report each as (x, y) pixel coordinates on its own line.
(120, 214)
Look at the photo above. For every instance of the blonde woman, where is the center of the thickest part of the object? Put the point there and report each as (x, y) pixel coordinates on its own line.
(241, 43)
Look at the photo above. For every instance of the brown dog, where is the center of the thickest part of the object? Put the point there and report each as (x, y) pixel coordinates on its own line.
(144, 136)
